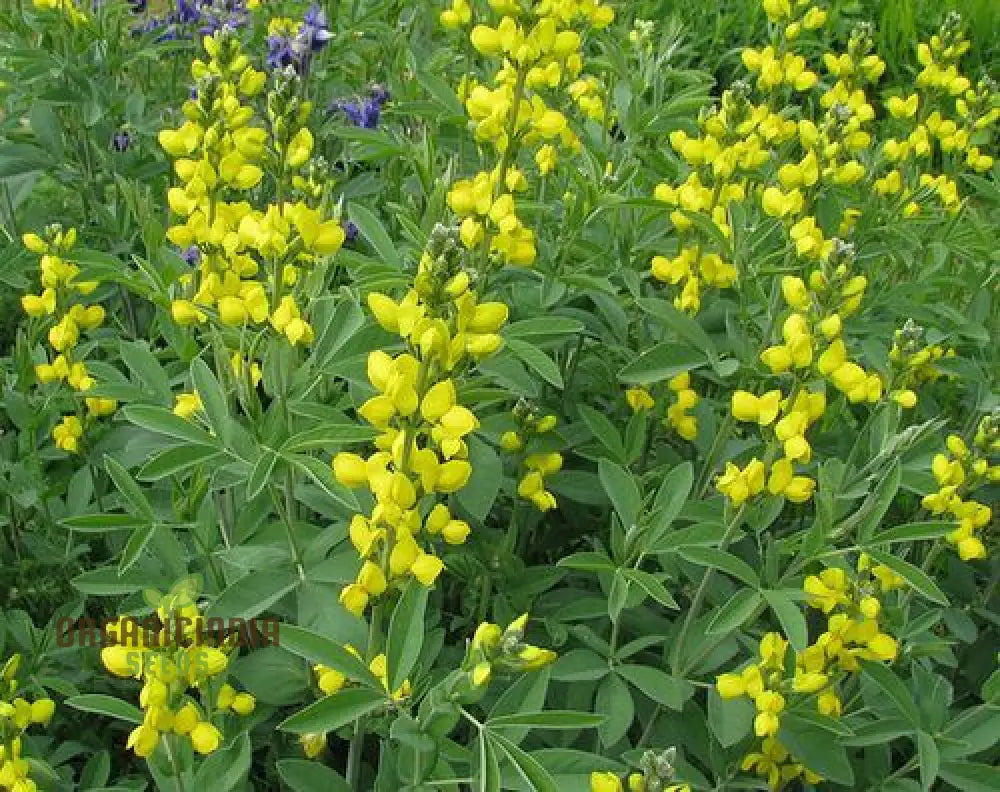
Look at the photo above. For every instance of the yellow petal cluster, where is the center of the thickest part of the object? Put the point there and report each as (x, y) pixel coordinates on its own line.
(17, 715)
(58, 306)
(852, 607)
(958, 473)
(173, 657)
(421, 449)
(246, 257)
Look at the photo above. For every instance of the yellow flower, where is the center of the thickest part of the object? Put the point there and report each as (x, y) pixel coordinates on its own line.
(639, 399)
(143, 740)
(67, 434)
(426, 568)
(187, 404)
(313, 744)
(350, 470)
(605, 782)
(205, 738)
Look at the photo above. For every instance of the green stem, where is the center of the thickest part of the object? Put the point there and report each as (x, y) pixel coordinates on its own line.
(289, 531)
(676, 653)
(353, 770)
(178, 775)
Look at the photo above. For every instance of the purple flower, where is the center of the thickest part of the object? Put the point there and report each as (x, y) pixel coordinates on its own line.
(121, 140)
(209, 15)
(192, 255)
(315, 28)
(350, 231)
(364, 113)
(279, 52)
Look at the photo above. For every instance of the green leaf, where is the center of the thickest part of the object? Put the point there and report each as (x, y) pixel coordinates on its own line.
(320, 650)
(735, 613)
(134, 546)
(662, 688)
(682, 324)
(547, 719)
(893, 687)
(442, 92)
(652, 586)
(213, 399)
(614, 702)
(622, 490)
(729, 719)
(814, 747)
(971, 776)
(546, 327)
(146, 368)
(262, 472)
(663, 361)
(670, 499)
(720, 559)
(321, 475)
(580, 665)
(304, 775)
(488, 767)
(47, 127)
(106, 582)
(587, 562)
(105, 705)
(789, 614)
(480, 492)
(334, 326)
(530, 769)
(252, 594)
(328, 436)
(332, 712)
(372, 230)
(164, 422)
(223, 769)
(913, 575)
(913, 532)
(406, 632)
(604, 431)
(129, 489)
(876, 506)
(930, 759)
(177, 460)
(101, 523)
(537, 361)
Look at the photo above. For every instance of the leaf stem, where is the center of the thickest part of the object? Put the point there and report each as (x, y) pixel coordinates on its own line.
(676, 653)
